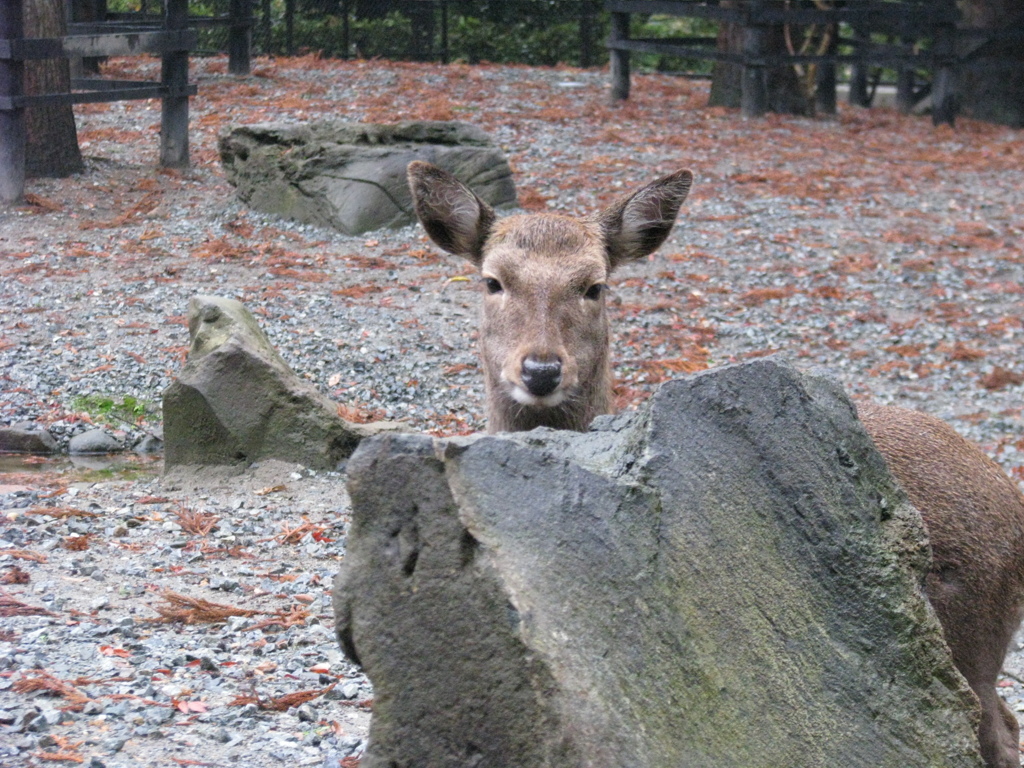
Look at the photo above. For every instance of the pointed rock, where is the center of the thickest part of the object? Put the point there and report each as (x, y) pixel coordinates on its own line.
(237, 401)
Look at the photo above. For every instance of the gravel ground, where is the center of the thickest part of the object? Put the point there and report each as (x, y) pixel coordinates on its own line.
(875, 245)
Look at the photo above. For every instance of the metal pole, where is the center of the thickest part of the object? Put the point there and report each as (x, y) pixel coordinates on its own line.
(12, 118)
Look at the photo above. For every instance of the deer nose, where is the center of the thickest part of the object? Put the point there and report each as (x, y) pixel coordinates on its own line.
(541, 377)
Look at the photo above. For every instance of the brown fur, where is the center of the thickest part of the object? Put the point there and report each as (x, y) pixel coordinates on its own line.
(544, 265)
(974, 514)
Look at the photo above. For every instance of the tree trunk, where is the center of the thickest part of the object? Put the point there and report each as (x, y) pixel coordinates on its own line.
(726, 77)
(51, 147)
(785, 93)
(992, 79)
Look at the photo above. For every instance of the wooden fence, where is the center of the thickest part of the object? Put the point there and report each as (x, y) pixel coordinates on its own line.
(171, 35)
(920, 33)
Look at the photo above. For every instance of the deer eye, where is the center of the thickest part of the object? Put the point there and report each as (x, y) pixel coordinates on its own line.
(594, 292)
(492, 285)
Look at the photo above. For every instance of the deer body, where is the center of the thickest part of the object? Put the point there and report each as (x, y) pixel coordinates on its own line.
(974, 515)
(544, 348)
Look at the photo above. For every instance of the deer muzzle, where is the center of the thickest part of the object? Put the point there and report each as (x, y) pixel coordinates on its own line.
(540, 376)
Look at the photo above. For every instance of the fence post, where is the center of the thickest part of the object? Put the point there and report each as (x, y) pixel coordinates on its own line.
(12, 118)
(346, 30)
(587, 34)
(240, 37)
(825, 75)
(445, 53)
(858, 95)
(619, 60)
(266, 33)
(289, 27)
(904, 89)
(174, 76)
(944, 101)
(754, 82)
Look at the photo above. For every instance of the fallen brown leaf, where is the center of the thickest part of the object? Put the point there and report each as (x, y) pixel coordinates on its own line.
(42, 203)
(357, 415)
(15, 575)
(1000, 378)
(9, 606)
(295, 615)
(280, 703)
(758, 296)
(60, 512)
(192, 610)
(295, 535)
(77, 543)
(270, 489)
(67, 757)
(964, 353)
(26, 554)
(45, 681)
(196, 523)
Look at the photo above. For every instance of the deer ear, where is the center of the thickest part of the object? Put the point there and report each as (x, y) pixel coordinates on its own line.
(636, 225)
(454, 217)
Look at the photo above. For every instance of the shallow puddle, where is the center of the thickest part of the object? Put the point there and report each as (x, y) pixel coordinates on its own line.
(82, 468)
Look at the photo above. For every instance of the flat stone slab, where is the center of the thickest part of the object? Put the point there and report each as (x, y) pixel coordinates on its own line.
(728, 578)
(351, 176)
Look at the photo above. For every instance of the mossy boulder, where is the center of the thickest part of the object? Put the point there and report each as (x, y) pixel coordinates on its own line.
(729, 577)
(351, 176)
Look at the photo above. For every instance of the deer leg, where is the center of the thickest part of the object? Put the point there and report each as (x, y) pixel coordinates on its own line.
(978, 652)
(998, 733)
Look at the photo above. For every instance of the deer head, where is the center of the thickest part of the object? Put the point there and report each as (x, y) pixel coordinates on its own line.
(544, 330)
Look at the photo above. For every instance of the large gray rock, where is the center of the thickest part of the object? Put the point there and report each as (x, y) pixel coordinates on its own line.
(236, 401)
(94, 441)
(729, 577)
(351, 176)
(27, 438)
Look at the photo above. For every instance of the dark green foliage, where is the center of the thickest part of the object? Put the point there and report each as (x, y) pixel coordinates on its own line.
(474, 40)
(661, 26)
(536, 32)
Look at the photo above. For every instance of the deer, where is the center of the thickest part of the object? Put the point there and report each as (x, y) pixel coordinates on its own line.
(545, 354)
